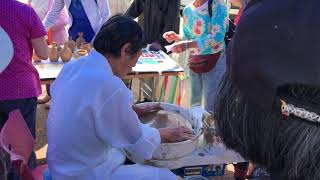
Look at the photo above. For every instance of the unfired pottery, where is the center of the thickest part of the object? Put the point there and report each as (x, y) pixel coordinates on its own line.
(65, 53)
(71, 44)
(86, 46)
(80, 40)
(82, 52)
(53, 53)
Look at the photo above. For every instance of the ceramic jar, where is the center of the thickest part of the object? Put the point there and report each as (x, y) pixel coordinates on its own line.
(82, 52)
(86, 46)
(80, 40)
(71, 44)
(53, 53)
(66, 53)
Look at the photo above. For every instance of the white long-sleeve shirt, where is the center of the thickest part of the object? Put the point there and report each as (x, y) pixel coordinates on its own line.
(90, 120)
(97, 11)
(119, 6)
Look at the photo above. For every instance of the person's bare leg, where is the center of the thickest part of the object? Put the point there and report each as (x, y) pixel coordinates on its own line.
(46, 98)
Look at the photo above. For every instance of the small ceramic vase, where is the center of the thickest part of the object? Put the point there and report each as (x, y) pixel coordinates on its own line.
(82, 52)
(71, 44)
(65, 53)
(80, 40)
(53, 52)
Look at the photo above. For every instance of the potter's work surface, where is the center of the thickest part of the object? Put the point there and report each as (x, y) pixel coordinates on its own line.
(150, 62)
(163, 119)
(218, 154)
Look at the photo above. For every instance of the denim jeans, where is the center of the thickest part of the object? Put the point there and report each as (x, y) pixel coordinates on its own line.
(204, 86)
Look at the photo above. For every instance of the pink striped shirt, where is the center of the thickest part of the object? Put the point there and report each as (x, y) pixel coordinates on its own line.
(20, 79)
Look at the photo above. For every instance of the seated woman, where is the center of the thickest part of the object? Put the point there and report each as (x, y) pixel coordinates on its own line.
(268, 105)
(92, 116)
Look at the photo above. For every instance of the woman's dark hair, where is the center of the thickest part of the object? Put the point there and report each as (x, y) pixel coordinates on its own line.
(116, 32)
(288, 146)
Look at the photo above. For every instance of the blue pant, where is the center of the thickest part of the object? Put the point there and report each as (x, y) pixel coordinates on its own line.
(204, 86)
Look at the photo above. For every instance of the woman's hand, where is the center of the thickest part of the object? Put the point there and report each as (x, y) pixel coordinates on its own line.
(179, 47)
(171, 37)
(175, 134)
(143, 110)
(184, 45)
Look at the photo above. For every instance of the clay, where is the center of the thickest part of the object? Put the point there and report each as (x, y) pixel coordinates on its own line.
(163, 119)
(80, 40)
(53, 53)
(86, 46)
(65, 53)
(82, 52)
(71, 44)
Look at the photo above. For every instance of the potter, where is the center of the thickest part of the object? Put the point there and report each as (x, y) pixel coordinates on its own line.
(86, 137)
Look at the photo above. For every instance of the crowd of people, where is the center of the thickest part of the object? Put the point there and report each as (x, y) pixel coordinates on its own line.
(263, 89)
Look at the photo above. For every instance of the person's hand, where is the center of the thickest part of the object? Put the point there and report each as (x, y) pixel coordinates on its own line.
(171, 36)
(175, 134)
(143, 110)
(179, 47)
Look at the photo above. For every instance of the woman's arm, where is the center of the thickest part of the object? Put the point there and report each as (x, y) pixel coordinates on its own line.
(53, 14)
(61, 22)
(37, 34)
(135, 9)
(40, 47)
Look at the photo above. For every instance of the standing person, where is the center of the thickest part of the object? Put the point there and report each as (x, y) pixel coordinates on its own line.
(58, 29)
(86, 16)
(159, 16)
(87, 129)
(19, 82)
(268, 104)
(118, 6)
(204, 28)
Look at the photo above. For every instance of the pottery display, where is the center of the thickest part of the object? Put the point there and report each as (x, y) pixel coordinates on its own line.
(66, 53)
(53, 53)
(71, 44)
(80, 40)
(86, 46)
(35, 58)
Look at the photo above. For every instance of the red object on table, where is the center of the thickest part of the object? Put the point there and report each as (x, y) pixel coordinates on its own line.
(50, 37)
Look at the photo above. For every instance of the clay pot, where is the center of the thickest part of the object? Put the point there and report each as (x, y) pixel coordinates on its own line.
(86, 46)
(82, 52)
(35, 58)
(80, 40)
(53, 53)
(71, 44)
(65, 53)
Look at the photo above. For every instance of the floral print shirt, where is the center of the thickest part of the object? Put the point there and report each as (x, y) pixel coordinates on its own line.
(208, 32)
